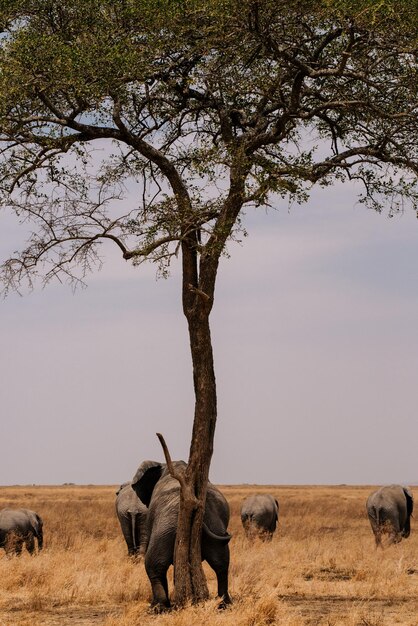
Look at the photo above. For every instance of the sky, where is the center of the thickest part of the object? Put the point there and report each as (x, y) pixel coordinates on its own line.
(315, 339)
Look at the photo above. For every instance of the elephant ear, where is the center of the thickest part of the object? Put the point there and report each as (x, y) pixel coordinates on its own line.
(145, 479)
(277, 504)
(123, 485)
(409, 500)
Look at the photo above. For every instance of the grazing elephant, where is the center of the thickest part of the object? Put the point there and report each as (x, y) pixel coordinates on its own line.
(389, 510)
(259, 515)
(18, 527)
(160, 492)
(132, 515)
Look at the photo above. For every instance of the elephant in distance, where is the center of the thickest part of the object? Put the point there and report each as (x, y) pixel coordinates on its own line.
(18, 527)
(259, 515)
(389, 510)
(132, 515)
(160, 492)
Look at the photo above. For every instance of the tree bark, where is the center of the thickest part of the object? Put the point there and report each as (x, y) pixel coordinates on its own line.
(190, 582)
(189, 579)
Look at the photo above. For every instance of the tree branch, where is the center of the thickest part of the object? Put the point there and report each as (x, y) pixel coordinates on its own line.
(177, 474)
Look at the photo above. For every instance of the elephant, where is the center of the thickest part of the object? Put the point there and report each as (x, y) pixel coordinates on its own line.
(259, 515)
(132, 515)
(160, 492)
(389, 510)
(18, 527)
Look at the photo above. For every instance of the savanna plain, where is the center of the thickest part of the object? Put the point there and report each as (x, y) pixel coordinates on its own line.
(321, 568)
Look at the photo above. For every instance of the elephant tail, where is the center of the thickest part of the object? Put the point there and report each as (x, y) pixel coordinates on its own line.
(209, 533)
(375, 514)
(377, 524)
(133, 530)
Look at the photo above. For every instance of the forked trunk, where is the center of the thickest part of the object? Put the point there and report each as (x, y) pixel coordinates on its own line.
(199, 277)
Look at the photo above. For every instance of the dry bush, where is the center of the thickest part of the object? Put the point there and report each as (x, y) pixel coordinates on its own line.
(321, 568)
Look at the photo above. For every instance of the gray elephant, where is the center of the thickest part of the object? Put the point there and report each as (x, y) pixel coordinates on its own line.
(132, 515)
(389, 510)
(259, 515)
(160, 492)
(18, 527)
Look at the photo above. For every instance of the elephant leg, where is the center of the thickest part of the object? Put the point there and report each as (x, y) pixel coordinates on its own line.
(378, 538)
(272, 527)
(251, 530)
(218, 559)
(264, 533)
(394, 537)
(30, 543)
(40, 536)
(13, 544)
(157, 561)
(9, 549)
(126, 525)
(14, 547)
(377, 531)
(159, 587)
(141, 541)
(140, 535)
(394, 531)
(164, 583)
(407, 528)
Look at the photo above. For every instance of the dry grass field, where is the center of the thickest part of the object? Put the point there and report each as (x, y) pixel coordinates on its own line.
(321, 567)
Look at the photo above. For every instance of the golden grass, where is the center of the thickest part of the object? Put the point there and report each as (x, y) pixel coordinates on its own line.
(321, 568)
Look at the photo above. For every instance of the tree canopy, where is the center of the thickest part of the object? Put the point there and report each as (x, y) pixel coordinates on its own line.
(189, 92)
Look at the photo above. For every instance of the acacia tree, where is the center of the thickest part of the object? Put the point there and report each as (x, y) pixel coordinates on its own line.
(208, 107)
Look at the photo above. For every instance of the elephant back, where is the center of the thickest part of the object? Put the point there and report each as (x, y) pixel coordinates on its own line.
(165, 502)
(389, 504)
(388, 495)
(259, 503)
(259, 513)
(128, 502)
(14, 520)
(156, 487)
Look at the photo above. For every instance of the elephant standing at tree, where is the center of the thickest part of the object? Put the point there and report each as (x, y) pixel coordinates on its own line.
(389, 510)
(132, 515)
(160, 492)
(259, 515)
(18, 527)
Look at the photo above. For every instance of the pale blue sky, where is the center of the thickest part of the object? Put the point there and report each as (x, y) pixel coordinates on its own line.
(315, 335)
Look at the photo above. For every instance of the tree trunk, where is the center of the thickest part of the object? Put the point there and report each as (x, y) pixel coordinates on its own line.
(198, 295)
(189, 579)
